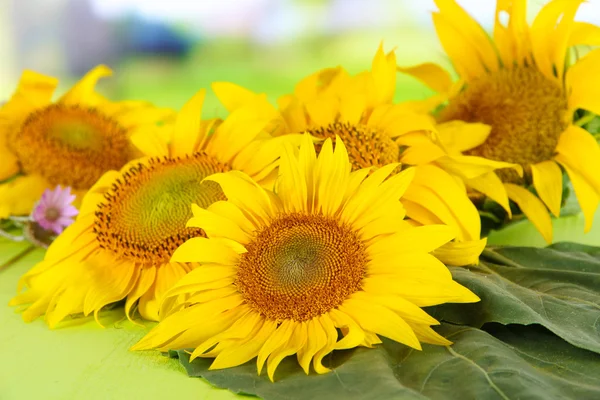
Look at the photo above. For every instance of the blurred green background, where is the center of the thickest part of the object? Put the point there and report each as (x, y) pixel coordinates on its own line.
(163, 51)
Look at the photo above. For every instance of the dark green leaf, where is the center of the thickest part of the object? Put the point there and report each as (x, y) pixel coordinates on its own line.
(557, 289)
(527, 363)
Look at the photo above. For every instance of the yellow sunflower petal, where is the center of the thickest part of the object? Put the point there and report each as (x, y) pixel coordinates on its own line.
(469, 167)
(331, 337)
(584, 33)
(187, 132)
(423, 238)
(490, 185)
(480, 44)
(407, 310)
(548, 182)
(244, 193)
(113, 284)
(421, 292)
(383, 71)
(466, 63)
(33, 91)
(512, 41)
(216, 225)
(459, 136)
(203, 250)
(316, 340)
(432, 179)
(230, 211)
(578, 149)
(533, 208)
(10, 163)
(377, 318)
(322, 111)
(428, 335)
(18, 196)
(245, 350)
(424, 153)
(150, 141)
(278, 338)
(583, 81)
(145, 281)
(83, 91)
(353, 333)
(232, 96)
(431, 75)
(461, 253)
(295, 343)
(587, 197)
(550, 33)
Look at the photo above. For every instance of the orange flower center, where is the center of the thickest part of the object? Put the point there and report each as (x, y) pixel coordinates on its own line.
(526, 110)
(366, 146)
(144, 217)
(301, 266)
(70, 145)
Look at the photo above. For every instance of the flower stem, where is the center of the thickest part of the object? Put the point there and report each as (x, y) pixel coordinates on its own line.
(12, 237)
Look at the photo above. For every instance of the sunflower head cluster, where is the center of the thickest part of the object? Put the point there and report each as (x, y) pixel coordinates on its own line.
(322, 223)
(283, 272)
(360, 110)
(133, 219)
(507, 129)
(69, 142)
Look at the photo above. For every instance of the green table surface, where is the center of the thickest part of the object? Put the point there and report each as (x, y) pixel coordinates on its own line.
(84, 361)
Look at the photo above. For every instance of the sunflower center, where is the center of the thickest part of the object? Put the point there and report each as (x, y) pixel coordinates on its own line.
(526, 110)
(70, 145)
(366, 146)
(301, 266)
(145, 215)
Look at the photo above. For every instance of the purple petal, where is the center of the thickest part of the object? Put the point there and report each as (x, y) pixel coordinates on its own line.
(69, 211)
(56, 227)
(64, 197)
(54, 195)
(65, 221)
(44, 223)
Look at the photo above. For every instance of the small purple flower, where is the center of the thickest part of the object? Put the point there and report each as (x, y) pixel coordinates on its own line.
(54, 212)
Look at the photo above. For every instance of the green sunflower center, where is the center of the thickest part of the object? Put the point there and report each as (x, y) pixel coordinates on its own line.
(366, 146)
(70, 145)
(526, 110)
(301, 266)
(145, 215)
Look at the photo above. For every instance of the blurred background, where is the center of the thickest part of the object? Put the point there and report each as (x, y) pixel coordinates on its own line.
(163, 51)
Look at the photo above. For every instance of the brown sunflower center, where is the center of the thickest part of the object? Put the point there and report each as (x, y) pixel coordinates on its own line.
(526, 110)
(147, 209)
(301, 266)
(366, 146)
(70, 145)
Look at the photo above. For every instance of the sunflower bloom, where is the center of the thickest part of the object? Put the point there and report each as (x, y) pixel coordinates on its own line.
(360, 110)
(71, 142)
(508, 121)
(282, 271)
(132, 220)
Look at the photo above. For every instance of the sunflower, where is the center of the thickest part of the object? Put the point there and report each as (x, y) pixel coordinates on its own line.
(360, 110)
(508, 123)
(282, 271)
(132, 220)
(71, 142)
